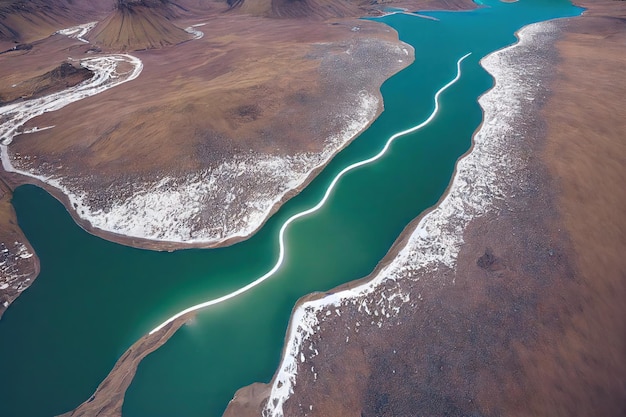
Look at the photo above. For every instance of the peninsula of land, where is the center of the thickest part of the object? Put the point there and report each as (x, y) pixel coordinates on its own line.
(527, 305)
(526, 318)
(237, 107)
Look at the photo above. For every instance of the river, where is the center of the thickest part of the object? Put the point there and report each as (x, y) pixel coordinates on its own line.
(93, 298)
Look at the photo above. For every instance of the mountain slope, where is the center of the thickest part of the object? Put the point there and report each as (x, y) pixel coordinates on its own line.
(321, 9)
(30, 20)
(139, 24)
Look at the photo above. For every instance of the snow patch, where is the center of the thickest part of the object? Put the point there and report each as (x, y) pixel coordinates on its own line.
(195, 32)
(12, 258)
(78, 32)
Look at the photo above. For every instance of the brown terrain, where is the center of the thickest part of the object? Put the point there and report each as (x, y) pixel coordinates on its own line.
(19, 265)
(531, 320)
(139, 24)
(65, 75)
(25, 21)
(254, 88)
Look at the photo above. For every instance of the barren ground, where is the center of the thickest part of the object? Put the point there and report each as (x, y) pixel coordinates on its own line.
(530, 321)
(158, 163)
(19, 266)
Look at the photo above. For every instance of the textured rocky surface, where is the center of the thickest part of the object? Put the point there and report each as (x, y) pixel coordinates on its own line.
(506, 298)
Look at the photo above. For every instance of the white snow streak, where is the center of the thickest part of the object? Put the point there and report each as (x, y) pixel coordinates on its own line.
(315, 208)
(438, 237)
(195, 32)
(15, 115)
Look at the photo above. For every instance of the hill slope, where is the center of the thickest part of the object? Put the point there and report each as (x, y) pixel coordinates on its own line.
(139, 24)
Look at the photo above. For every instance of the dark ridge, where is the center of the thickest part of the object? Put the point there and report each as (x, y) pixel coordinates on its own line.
(140, 24)
(167, 7)
(64, 76)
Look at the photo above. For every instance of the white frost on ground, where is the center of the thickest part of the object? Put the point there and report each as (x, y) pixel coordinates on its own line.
(14, 116)
(106, 76)
(228, 200)
(480, 179)
(172, 209)
(78, 32)
(318, 206)
(12, 256)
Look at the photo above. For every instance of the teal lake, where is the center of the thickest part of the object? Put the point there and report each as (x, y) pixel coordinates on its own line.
(93, 298)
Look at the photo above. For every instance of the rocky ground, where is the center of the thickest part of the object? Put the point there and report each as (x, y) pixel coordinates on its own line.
(64, 76)
(528, 319)
(217, 131)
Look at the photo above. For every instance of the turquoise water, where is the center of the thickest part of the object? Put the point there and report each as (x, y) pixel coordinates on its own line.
(93, 298)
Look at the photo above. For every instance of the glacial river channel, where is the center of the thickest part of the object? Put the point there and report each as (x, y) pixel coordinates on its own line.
(94, 298)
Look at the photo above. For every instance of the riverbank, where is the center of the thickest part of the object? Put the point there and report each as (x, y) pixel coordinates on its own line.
(280, 85)
(278, 123)
(234, 164)
(519, 311)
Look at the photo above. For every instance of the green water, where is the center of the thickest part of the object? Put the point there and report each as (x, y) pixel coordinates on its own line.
(93, 298)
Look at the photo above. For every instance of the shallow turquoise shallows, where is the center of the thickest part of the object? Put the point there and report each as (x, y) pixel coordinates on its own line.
(93, 298)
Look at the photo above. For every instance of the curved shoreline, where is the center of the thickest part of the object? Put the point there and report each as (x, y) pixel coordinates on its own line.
(397, 247)
(307, 312)
(319, 205)
(132, 232)
(115, 387)
(16, 178)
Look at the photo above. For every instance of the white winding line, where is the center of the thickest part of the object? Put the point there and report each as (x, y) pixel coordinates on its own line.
(195, 32)
(106, 75)
(315, 208)
(78, 32)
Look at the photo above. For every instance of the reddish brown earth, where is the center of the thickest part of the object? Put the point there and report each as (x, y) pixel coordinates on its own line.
(325, 9)
(24, 21)
(267, 79)
(251, 85)
(267, 76)
(64, 76)
(139, 24)
(531, 321)
(534, 322)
